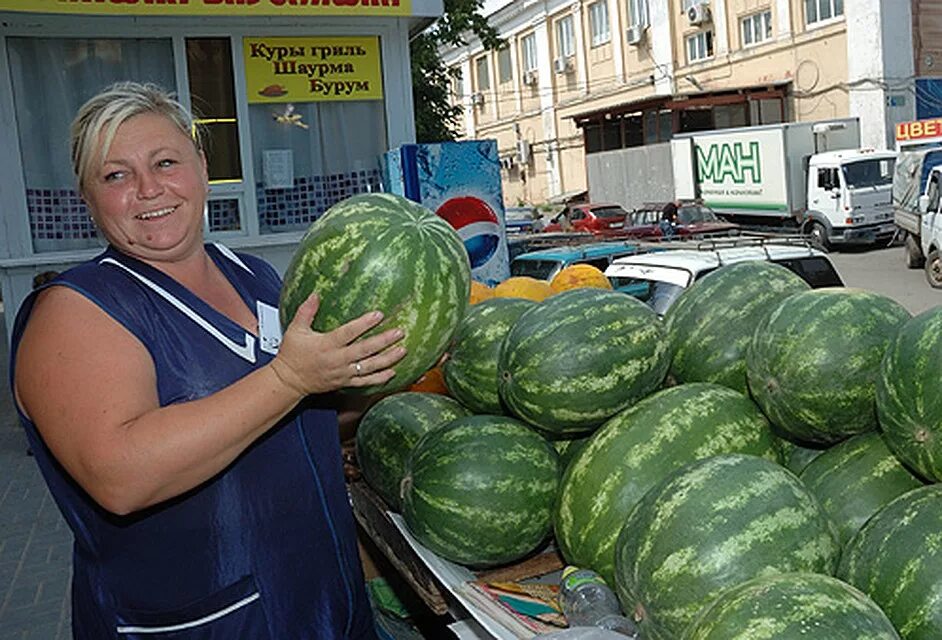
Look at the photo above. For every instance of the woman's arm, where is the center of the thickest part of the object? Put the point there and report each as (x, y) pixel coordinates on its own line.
(92, 394)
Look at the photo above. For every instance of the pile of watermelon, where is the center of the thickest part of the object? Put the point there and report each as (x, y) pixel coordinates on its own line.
(760, 463)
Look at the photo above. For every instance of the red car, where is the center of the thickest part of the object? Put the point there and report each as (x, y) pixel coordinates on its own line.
(598, 218)
(693, 219)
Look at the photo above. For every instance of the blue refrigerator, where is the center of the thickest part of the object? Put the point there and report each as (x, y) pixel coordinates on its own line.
(460, 181)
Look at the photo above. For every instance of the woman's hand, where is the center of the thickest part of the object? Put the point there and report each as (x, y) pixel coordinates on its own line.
(309, 362)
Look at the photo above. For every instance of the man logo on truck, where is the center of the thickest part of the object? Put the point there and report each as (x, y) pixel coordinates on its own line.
(729, 160)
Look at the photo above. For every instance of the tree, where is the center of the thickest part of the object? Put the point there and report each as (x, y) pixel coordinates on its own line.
(436, 119)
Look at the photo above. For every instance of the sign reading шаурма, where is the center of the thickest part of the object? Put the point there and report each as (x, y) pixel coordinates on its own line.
(213, 7)
(319, 69)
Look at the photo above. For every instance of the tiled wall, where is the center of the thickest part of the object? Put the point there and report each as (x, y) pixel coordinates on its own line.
(59, 219)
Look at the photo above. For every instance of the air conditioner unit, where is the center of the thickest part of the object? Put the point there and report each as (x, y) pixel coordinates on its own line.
(634, 34)
(477, 99)
(530, 77)
(523, 151)
(562, 64)
(698, 14)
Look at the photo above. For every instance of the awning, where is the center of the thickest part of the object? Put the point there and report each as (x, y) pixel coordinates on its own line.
(569, 196)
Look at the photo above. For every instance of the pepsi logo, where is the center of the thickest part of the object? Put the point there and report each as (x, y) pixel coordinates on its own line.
(477, 226)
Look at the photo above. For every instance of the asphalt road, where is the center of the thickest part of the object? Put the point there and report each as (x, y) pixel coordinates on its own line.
(883, 270)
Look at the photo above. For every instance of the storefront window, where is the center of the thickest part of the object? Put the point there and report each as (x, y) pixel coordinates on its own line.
(209, 70)
(332, 151)
(73, 71)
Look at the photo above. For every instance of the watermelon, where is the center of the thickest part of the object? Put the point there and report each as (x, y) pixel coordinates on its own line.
(636, 449)
(796, 457)
(792, 606)
(856, 478)
(711, 324)
(709, 526)
(479, 491)
(381, 252)
(471, 368)
(580, 357)
(896, 559)
(813, 363)
(391, 428)
(909, 394)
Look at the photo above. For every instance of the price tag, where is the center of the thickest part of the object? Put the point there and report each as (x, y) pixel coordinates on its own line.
(269, 328)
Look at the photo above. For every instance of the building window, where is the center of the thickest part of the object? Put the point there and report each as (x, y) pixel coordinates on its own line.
(638, 13)
(212, 93)
(598, 22)
(700, 46)
(457, 86)
(821, 10)
(481, 73)
(565, 37)
(756, 28)
(504, 67)
(528, 47)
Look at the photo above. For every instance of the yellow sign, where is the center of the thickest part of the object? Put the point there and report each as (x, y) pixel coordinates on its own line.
(165, 8)
(312, 69)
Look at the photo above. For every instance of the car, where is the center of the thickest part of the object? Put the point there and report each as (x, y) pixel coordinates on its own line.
(522, 220)
(658, 278)
(592, 217)
(694, 220)
(544, 264)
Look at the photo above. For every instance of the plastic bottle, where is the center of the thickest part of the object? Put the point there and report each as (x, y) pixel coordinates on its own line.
(587, 601)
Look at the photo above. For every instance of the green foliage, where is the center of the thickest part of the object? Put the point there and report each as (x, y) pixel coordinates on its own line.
(436, 119)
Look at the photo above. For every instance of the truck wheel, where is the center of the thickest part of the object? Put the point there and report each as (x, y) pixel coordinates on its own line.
(934, 269)
(914, 257)
(819, 236)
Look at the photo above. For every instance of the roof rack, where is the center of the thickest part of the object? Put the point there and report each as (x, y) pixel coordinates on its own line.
(754, 240)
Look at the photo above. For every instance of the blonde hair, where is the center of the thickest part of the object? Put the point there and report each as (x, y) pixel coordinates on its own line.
(96, 122)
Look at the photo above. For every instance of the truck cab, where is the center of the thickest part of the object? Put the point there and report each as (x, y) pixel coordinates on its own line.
(930, 235)
(849, 197)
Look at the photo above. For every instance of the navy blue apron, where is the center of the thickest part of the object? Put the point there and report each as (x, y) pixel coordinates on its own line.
(264, 550)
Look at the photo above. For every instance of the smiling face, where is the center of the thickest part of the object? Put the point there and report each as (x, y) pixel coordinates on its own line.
(148, 193)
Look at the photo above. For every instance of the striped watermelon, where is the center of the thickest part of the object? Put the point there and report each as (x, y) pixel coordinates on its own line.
(813, 363)
(792, 606)
(381, 252)
(896, 559)
(391, 428)
(710, 526)
(580, 357)
(471, 369)
(711, 324)
(856, 478)
(636, 449)
(909, 394)
(479, 491)
(796, 457)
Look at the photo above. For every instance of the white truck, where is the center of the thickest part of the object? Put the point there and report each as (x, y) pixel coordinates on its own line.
(811, 172)
(930, 232)
(919, 144)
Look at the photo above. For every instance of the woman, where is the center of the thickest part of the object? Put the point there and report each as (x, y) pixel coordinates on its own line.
(202, 484)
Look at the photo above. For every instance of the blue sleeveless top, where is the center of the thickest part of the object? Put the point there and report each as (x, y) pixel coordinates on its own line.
(264, 550)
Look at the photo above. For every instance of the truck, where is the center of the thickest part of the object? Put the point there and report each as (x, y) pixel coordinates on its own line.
(930, 224)
(919, 147)
(812, 173)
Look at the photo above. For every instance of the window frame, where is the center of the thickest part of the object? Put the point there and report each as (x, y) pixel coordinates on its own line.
(833, 7)
(566, 37)
(703, 40)
(598, 14)
(748, 25)
(502, 54)
(638, 13)
(528, 52)
(482, 71)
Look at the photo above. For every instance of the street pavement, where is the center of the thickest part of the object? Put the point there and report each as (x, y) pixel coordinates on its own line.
(35, 543)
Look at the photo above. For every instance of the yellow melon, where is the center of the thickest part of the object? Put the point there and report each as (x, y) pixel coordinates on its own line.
(480, 291)
(578, 276)
(523, 287)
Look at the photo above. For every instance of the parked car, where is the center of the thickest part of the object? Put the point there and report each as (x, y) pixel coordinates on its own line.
(693, 220)
(592, 217)
(658, 278)
(544, 264)
(522, 220)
